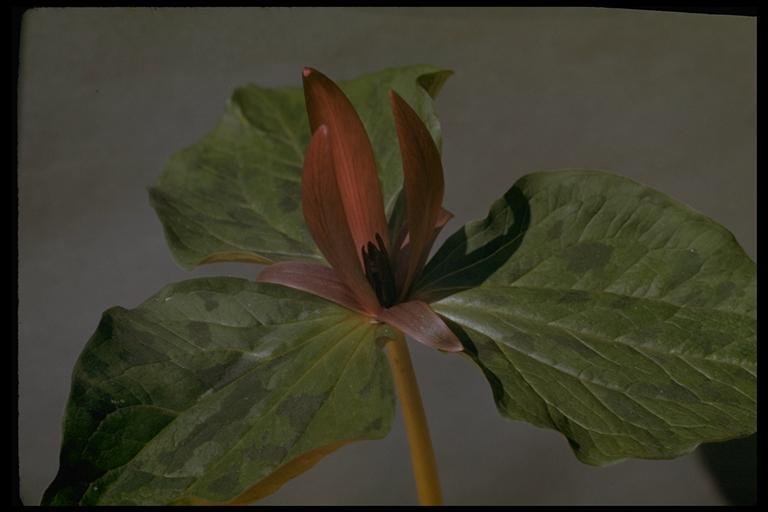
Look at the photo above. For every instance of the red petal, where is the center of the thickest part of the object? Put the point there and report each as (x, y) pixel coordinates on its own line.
(355, 166)
(442, 219)
(423, 184)
(403, 254)
(327, 221)
(313, 278)
(416, 319)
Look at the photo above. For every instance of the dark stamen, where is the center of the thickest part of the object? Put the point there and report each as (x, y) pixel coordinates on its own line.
(379, 272)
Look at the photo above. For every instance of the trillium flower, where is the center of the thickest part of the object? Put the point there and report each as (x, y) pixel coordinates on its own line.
(372, 270)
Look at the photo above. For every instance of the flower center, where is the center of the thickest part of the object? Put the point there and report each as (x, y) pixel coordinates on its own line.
(379, 272)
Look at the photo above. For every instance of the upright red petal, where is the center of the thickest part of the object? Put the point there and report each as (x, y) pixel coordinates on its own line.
(423, 185)
(355, 166)
(442, 219)
(403, 253)
(327, 220)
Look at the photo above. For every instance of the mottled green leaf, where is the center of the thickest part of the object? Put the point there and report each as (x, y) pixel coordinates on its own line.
(605, 310)
(216, 389)
(235, 194)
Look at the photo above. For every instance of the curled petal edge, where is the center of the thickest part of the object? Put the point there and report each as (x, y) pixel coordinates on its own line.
(404, 243)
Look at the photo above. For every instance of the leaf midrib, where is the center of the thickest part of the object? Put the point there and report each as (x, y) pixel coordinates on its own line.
(457, 306)
(657, 300)
(583, 381)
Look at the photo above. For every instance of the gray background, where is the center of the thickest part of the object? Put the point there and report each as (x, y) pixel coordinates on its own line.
(107, 95)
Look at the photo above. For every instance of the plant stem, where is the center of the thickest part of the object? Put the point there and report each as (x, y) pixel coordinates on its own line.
(422, 455)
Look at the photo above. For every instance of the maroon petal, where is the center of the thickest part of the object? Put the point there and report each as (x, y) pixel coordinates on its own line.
(327, 220)
(422, 182)
(312, 278)
(442, 219)
(403, 253)
(417, 320)
(354, 163)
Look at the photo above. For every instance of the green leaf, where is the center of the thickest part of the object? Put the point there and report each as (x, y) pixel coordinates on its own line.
(235, 194)
(607, 311)
(217, 390)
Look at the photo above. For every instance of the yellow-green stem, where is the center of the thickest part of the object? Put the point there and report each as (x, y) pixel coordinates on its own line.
(422, 455)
